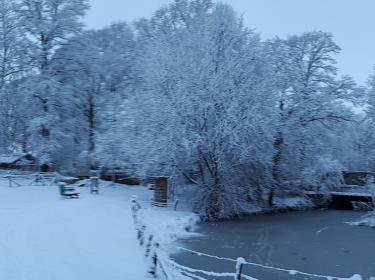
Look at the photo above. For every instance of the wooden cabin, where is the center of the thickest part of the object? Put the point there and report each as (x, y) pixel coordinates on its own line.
(24, 161)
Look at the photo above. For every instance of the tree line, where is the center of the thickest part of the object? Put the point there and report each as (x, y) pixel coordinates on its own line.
(191, 93)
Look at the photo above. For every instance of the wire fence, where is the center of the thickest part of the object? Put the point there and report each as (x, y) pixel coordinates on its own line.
(289, 271)
(146, 240)
(28, 179)
(159, 261)
(161, 264)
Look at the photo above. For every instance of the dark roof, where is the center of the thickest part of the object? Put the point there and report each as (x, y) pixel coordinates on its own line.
(12, 158)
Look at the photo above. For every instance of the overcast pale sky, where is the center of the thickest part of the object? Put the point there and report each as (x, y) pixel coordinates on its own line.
(352, 22)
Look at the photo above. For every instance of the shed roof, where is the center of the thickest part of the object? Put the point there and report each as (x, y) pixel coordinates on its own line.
(11, 158)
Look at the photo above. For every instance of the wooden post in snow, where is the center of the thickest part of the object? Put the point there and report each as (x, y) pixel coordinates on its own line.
(239, 267)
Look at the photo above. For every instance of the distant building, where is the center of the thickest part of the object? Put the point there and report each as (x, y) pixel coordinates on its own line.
(19, 161)
(359, 178)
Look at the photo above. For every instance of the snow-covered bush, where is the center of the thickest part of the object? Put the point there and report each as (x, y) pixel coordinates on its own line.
(370, 185)
(367, 220)
(324, 175)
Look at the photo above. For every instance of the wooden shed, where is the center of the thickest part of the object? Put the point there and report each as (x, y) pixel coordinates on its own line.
(358, 178)
(160, 190)
(19, 161)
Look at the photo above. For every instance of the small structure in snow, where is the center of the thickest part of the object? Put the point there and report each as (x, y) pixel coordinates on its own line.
(67, 192)
(94, 181)
(357, 178)
(24, 161)
(120, 176)
(160, 191)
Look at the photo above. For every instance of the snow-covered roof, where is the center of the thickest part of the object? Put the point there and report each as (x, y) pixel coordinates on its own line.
(11, 158)
(356, 172)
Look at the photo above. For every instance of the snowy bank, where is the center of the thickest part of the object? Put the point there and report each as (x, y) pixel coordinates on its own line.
(293, 203)
(367, 220)
(155, 231)
(281, 205)
(168, 225)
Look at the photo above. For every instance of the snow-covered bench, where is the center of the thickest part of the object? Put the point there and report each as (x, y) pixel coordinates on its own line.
(67, 192)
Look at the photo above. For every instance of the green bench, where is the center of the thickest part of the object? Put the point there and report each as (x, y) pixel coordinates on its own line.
(66, 192)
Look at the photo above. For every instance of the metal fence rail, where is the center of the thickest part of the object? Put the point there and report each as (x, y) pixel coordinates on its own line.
(289, 271)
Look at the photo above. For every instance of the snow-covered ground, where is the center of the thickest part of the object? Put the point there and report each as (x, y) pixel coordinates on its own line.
(45, 237)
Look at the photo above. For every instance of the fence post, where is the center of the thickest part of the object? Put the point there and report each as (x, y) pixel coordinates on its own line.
(154, 261)
(175, 205)
(142, 235)
(148, 246)
(239, 266)
(94, 185)
(135, 208)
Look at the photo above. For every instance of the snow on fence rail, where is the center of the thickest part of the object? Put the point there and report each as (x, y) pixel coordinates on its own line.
(146, 240)
(159, 260)
(290, 271)
(22, 178)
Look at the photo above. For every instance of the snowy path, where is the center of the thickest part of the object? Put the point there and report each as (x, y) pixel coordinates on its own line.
(44, 237)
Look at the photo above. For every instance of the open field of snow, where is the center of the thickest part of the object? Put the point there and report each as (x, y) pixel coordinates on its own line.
(45, 237)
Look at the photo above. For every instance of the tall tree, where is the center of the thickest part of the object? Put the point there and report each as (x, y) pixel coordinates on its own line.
(12, 65)
(48, 25)
(309, 93)
(209, 80)
(11, 48)
(99, 67)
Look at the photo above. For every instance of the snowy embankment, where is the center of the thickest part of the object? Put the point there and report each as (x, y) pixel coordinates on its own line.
(367, 220)
(293, 203)
(167, 226)
(285, 204)
(45, 237)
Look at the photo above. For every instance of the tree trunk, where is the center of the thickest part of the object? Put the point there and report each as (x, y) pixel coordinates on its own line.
(92, 126)
(276, 172)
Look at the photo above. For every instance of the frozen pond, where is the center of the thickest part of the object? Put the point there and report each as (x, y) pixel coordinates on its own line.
(317, 242)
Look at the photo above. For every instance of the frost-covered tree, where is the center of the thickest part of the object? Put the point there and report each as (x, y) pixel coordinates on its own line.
(190, 93)
(98, 67)
(207, 109)
(48, 24)
(367, 143)
(310, 99)
(11, 43)
(12, 66)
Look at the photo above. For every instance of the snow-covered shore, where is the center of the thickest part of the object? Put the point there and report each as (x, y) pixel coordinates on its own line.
(367, 220)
